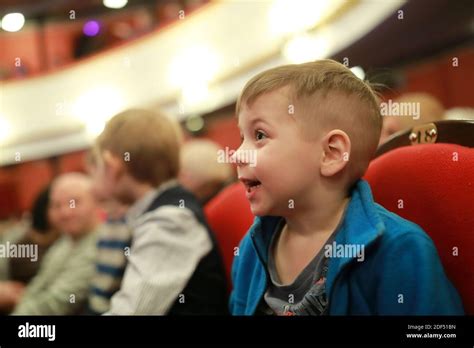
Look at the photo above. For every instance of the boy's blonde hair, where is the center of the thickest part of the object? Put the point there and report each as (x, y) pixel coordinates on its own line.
(330, 96)
(148, 142)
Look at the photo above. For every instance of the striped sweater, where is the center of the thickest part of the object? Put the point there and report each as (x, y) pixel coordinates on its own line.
(112, 250)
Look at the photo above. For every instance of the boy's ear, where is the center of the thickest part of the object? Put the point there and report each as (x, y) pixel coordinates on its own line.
(114, 166)
(336, 147)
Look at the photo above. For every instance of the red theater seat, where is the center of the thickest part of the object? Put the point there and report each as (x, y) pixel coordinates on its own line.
(229, 216)
(435, 184)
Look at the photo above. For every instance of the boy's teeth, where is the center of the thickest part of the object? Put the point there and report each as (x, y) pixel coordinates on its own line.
(252, 184)
(249, 189)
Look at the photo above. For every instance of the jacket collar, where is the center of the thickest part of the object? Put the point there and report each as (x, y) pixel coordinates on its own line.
(140, 206)
(365, 227)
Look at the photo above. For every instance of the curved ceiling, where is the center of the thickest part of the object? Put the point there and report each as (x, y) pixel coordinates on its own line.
(200, 64)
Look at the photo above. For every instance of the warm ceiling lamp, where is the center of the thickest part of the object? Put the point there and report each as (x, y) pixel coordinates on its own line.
(115, 3)
(288, 17)
(305, 48)
(13, 22)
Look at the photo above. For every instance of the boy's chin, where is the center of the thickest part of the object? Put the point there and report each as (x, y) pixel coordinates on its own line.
(260, 210)
(257, 210)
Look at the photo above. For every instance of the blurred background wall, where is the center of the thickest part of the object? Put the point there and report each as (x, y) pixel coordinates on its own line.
(54, 63)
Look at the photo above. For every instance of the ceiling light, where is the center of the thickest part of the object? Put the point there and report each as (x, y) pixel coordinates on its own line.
(305, 48)
(194, 124)
(292, 16)
(359, 72)
(91, 28)
(95, 107)
(115, 3)
(13, 22)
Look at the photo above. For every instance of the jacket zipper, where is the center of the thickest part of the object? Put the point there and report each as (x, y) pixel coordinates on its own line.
(260, 258)
(267, 274)
(343, 270)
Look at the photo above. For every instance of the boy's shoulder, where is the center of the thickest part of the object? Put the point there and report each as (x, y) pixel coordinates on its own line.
(170, 206)
(399, 229)
(172, 219)
(367, 221)
(404, 264)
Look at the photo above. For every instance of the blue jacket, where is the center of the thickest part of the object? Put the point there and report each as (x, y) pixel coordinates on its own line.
(401, 273)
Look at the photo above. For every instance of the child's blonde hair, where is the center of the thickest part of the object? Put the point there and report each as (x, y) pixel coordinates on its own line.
(148, 142)
(329, 95)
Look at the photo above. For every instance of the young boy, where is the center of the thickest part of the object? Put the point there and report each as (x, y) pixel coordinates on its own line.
(320, 244)
(173, 264)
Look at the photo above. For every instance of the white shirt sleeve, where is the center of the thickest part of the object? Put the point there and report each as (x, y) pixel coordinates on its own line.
(167, 245)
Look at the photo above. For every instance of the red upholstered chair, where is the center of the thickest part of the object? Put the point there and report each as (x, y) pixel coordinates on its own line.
(433, 186)
(229, 216)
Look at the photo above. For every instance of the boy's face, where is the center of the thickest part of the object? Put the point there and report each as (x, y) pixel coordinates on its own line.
(284, 172)
(104, 181)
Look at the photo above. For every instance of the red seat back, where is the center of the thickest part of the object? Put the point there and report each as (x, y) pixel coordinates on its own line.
(433, 186)
(229, 217)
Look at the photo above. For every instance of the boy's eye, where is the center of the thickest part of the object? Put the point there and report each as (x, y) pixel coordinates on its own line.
(259, 135)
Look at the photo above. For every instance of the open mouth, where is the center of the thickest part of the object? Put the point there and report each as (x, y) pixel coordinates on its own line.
(251, 185)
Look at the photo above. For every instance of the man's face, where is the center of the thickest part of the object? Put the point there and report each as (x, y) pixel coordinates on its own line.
(287, 164)
(72, 208)
(391, 125)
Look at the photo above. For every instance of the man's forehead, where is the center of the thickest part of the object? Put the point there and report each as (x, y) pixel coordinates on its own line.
(71, 188)
(61, 192)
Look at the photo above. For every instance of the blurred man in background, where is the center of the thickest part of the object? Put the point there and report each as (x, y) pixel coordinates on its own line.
(41, 233)
(61, 285)
(16, 272)
(429, 109)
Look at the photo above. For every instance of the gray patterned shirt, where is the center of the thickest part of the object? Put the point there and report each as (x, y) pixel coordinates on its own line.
(306, 295)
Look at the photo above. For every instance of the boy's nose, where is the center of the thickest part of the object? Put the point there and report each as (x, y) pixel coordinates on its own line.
(237, 157)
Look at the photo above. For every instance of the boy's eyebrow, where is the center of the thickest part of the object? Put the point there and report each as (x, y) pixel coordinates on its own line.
(255, 120)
